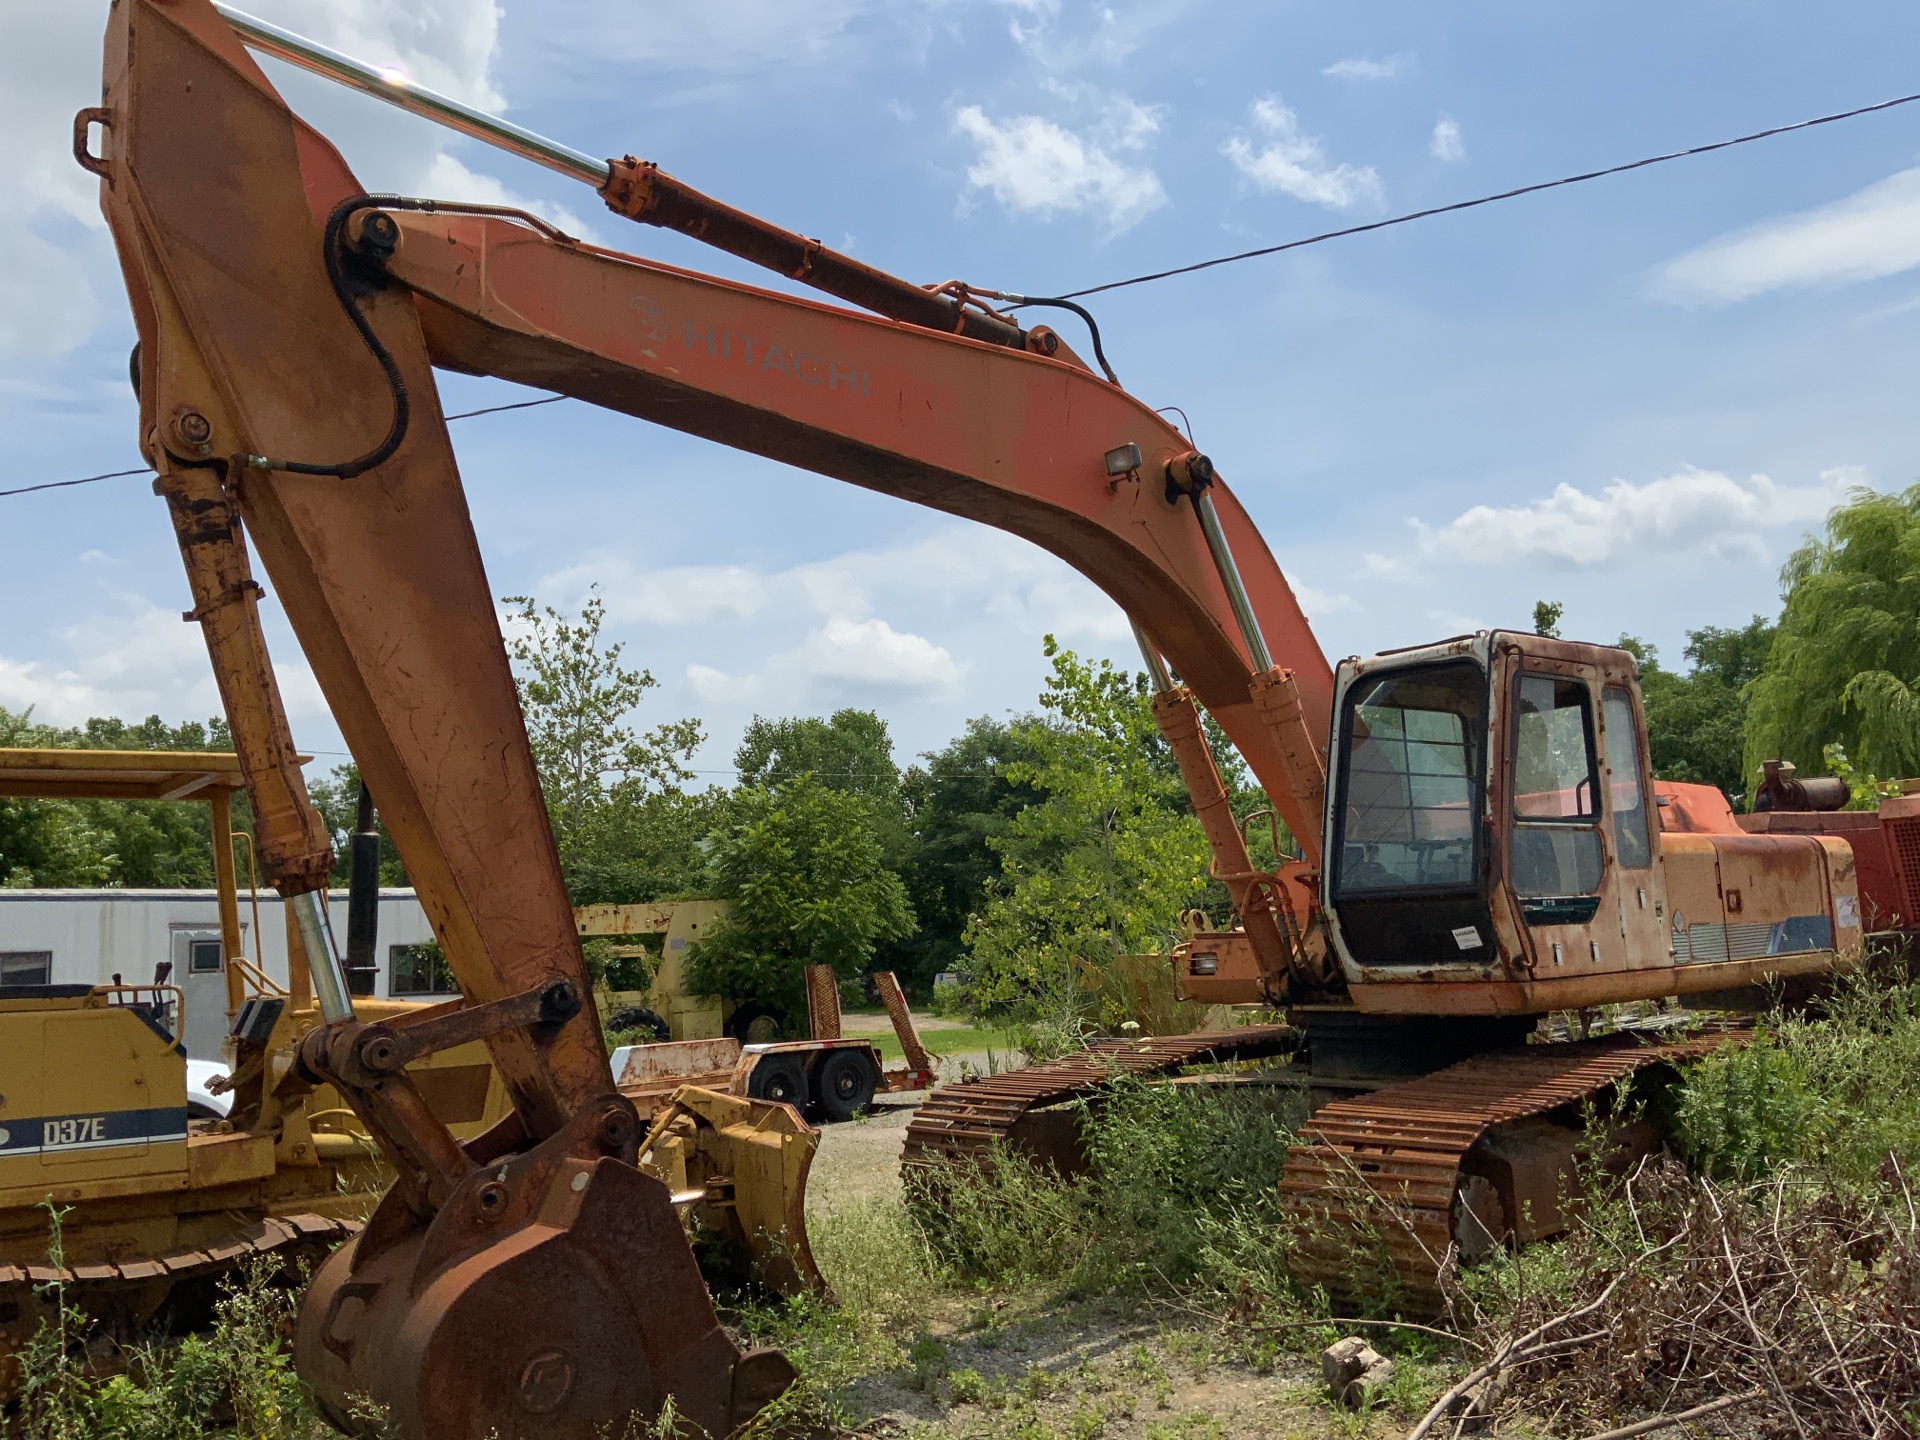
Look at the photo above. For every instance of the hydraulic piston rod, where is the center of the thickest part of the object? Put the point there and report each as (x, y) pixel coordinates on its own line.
(390, 85)
(645, 193)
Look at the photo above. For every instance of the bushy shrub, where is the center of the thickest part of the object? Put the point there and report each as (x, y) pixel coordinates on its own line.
(1831, 1091)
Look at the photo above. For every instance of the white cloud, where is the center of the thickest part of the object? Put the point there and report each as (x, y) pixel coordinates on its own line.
(1696, 512)
(1446, 144)
(675, 595)
(1872, 233)
(1296, 164)
(713, 37)
(49, 215)
(1064, 39)
(133, 660)
(867, 661)
(1033, 165)
(1363, 67)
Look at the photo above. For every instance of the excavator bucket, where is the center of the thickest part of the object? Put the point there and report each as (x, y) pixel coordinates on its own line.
(581, 1306)
(743, 1165)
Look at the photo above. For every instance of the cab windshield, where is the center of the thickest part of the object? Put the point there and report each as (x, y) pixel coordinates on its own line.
(1412, 780)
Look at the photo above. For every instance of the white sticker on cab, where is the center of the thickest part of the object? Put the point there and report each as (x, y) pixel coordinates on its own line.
(1467, 937)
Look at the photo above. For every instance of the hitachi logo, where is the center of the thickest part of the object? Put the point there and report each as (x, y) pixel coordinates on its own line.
(756, 354)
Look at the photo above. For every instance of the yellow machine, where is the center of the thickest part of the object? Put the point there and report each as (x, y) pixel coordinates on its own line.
(156, 1207)
(668, 1007)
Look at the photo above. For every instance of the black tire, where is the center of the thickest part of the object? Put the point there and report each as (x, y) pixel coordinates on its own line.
(754, 1024)
(639, 1017)
(847, 1083)
(779, 1077)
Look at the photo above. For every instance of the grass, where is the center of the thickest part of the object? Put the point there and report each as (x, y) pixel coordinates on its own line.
(1149, 1299)
(947, 1043)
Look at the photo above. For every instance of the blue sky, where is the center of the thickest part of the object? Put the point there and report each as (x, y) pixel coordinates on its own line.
(1634, 396)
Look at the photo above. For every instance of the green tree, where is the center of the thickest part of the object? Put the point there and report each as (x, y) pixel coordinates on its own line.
(802, 868)
(1696, 720)
(961, 802)
(1546, 618)
(1102, 865)
(83, 843)
(337, 797)
(624, 827)
(1845, 666)
(850, 751)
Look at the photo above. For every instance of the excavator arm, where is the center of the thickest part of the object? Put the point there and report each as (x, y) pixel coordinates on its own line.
(533, 1281)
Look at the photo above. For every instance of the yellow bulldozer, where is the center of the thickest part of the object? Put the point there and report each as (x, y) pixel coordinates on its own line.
(138, 1204)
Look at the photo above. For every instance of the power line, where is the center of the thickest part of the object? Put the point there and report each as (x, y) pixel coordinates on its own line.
(1263, 250)
(84, 480)
(1490, 199)
(518, 405)
(148, 469)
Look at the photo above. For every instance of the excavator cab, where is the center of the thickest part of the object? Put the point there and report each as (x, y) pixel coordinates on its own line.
(1494, 846)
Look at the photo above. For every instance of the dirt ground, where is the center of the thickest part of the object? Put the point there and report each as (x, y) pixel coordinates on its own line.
(1009, 1368)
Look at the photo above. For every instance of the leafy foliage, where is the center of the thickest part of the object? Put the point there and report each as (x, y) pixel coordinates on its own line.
(960, 802)
(1831, 1092)
(1845, 665)
(1696, 721)
(849, 751)
(625, 829)
(1102, 865)
(802, 867)
(61, 843)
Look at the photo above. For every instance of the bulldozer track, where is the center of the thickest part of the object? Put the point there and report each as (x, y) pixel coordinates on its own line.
(962, 1121)
(108, 1291)
(1388, 1164)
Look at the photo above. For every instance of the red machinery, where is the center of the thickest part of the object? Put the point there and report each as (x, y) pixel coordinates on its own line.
(1478, 838)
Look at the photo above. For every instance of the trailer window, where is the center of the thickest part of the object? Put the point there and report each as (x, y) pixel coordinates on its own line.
(1631, 839)
(26, 967)
(1410, 780)
(203, 957)
(419, 970)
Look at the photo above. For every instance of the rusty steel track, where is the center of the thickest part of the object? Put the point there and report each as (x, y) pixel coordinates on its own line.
(964, 1120)
(1374, 1178)
(126, 1292)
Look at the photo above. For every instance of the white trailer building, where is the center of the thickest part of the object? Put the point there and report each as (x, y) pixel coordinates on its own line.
(95, 937)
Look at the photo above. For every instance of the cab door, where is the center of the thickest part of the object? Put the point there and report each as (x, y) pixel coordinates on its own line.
(1579, 851)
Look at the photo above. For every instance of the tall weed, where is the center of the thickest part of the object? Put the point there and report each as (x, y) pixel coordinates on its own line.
(1179, 1191)
(237, 1379)
(1831, 1092)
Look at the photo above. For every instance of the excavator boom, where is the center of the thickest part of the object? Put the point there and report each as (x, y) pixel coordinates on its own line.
(533, 1280)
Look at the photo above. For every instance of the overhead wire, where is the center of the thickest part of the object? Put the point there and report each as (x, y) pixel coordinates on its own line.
(1457, 205)
(149, 470)
(1258, 253)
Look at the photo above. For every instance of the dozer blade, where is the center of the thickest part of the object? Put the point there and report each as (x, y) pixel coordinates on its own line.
(750, 1159)
(562, 1312)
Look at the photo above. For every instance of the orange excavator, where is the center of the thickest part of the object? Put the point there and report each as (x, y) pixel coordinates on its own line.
(1479, 834)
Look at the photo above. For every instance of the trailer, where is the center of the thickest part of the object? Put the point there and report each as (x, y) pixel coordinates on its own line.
(112, 936)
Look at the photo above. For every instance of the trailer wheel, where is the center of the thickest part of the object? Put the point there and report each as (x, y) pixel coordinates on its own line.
(847, 1083)
(754, 1024)
(781, 1078)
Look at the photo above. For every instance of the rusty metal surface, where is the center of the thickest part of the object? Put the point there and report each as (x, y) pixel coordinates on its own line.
(823, 1002)
(1003, 437)
(964, 1120)
(217, 199)
(674, 1061)
(1387, 1165)
(124, 1295)
(912, 1048)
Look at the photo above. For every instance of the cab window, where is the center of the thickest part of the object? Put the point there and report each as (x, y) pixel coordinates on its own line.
(1556, 849)
(1632, 842)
